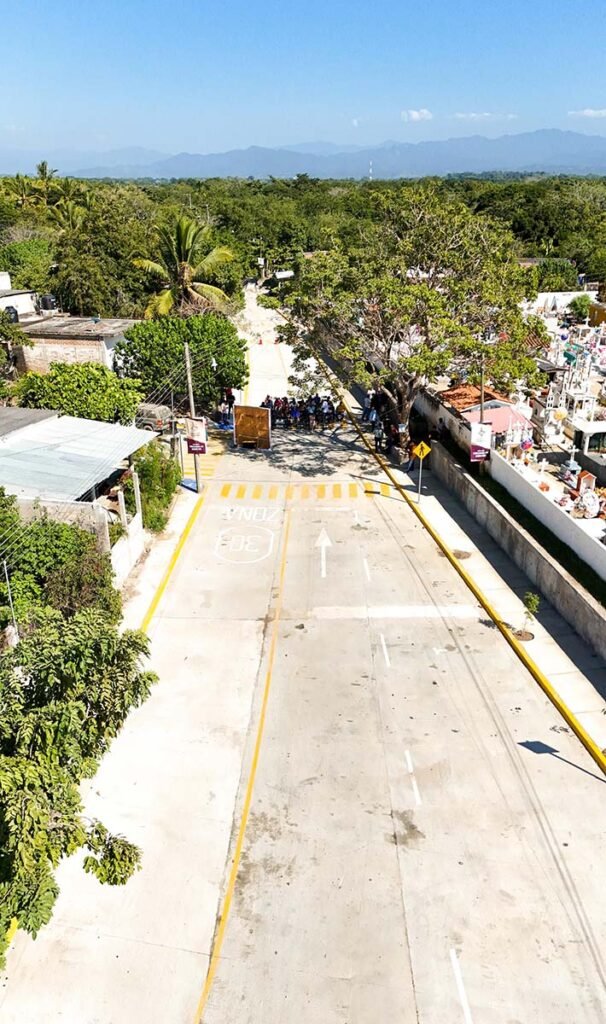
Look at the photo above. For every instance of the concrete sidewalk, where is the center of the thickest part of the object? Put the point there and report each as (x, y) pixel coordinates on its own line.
(576, 672)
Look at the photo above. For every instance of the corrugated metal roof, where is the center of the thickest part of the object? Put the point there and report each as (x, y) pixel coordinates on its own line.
(61, 459)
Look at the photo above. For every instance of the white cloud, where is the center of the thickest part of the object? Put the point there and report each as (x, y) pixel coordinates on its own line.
(417, 115)
(355, 122)
(483, 115)
(588, 112)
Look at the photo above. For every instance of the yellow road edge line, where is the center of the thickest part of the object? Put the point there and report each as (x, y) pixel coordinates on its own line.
(233, 875)
(353, 490)
(225, 490)
(569, 717)
(173, 561)
(241, 491)
(273, 492)
(336, 490)
(257, 491)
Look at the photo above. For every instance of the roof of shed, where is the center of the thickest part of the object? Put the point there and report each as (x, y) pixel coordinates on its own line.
(62, 459)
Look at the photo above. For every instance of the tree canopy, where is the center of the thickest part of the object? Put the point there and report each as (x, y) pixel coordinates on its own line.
(65, 691)
(429, 288)
(87, 390)
(153, 353)
(185, 260)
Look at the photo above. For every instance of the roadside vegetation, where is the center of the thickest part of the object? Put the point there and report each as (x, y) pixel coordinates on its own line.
(66, 688)
(159, 478)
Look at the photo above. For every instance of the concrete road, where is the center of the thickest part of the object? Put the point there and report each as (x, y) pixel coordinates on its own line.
(413, 852)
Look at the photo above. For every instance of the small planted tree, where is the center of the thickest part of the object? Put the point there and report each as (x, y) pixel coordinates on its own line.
(532, 603)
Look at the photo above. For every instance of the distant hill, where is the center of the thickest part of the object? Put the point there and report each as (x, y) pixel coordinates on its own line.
(68, 161)
(548, 150)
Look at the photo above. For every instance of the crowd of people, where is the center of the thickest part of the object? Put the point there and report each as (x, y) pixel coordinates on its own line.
(314, 412)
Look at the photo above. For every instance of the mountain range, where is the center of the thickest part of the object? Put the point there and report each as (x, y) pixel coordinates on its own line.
(547, 150)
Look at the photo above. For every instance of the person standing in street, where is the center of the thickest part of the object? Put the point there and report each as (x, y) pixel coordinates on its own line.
(379, 434)
(366, 408)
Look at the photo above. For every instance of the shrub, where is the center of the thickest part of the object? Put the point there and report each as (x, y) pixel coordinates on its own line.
(159, 476)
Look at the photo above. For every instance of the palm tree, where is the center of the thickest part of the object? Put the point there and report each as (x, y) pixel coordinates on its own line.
(23, 191)
(67, 215)
(184, 260)
(67, 188)
(45, 176)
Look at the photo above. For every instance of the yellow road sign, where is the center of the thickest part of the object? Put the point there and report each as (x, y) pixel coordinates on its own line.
(421, 450)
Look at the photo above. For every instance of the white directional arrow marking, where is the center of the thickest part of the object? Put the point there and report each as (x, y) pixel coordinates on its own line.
(323, 542)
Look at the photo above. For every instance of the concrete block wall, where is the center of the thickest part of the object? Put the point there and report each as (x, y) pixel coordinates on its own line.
(543, 508)
(44, 351)
(574, 604)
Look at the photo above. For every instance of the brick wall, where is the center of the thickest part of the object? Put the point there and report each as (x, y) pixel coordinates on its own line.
(45, 351)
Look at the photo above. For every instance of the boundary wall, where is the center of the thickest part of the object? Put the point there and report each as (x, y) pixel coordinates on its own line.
(574, 604)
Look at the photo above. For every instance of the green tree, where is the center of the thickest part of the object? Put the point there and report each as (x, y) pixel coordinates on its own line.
(153, 352)
(88, 390)
(83, 677)
(28, 262)
(95, 275)
(183, 263)
(52, 563)
(45, 175)
(557, 276)
(580, 306)
(159, 477)
(23, 191)
(417, 297)
(67, 215)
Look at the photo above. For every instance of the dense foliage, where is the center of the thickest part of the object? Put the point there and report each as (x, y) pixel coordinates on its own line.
(52, 563)
(65, 691)
(87, 390)
(159, 477)
(154, 354)
(78, 238)
(430, 289)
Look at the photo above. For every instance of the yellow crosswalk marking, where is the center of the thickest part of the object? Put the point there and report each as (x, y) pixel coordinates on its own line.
(236, 490)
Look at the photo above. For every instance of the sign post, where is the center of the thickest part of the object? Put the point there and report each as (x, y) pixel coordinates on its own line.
(421, 450)
(481, 436)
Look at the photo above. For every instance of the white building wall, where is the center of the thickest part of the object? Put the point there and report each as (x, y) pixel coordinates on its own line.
(127, 551)
(24, 304)
(547, 512)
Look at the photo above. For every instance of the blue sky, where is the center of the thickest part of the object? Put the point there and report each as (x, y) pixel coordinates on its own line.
(199, 76)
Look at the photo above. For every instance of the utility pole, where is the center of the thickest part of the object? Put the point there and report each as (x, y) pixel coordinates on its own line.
(192, 408)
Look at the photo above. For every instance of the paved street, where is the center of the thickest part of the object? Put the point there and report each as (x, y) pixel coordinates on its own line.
(410, 854)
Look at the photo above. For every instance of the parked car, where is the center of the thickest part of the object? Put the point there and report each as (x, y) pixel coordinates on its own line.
(154, 417)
